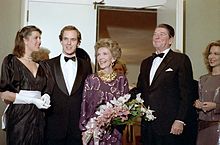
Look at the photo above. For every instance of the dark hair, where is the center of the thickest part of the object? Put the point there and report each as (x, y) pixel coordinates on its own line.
(69, 28)
(207, 51)
(25, 32)
(169, 28)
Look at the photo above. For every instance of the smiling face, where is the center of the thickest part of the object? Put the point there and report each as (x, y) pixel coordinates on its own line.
(105, 59)
(69, 42)
(214, 56)
(32, 42)
(161, 39)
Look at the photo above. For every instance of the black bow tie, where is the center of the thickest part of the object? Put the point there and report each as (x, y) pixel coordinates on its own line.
(69, 58)
(158, 55)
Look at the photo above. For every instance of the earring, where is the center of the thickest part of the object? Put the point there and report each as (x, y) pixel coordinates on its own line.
(113, 63)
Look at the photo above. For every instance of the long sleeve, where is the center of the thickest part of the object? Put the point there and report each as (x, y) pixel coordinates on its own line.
(89, 101)
(7, 75)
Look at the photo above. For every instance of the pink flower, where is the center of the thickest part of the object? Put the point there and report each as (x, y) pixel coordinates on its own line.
(118, 112)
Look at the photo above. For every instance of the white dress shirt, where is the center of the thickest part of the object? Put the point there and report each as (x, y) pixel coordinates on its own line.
(156, 63)
(69, 70)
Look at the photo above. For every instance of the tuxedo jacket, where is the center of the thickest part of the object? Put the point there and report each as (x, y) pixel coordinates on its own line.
(170, 92)
(64, 113)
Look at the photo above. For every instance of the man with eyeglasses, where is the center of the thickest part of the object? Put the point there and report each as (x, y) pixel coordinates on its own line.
(165, 84)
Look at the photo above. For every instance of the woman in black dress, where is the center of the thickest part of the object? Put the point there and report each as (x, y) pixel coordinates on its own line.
(25, 86)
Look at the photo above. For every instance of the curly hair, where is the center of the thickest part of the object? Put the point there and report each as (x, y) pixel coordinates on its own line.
(206, 53)
(112, 45)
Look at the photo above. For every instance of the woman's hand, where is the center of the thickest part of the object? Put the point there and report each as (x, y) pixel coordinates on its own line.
(8, 97)
(208, 106)
(205, 106)
(198, 104)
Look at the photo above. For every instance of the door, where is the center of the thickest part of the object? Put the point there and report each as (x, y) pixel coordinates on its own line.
(51, 17)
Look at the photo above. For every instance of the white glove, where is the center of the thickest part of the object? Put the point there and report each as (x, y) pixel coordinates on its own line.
(46, 99)
(40, 103)
(22, 99)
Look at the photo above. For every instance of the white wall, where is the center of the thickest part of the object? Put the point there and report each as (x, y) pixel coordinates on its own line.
(52, 17)
(10, 20)
(167, 14)
(202, 26)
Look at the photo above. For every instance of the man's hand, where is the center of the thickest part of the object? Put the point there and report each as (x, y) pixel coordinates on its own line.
(177, 127)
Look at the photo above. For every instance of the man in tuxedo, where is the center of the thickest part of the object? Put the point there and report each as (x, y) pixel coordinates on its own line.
(70, 72)
(165, 84)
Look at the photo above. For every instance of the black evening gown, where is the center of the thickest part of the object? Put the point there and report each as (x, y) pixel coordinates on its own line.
(24, 122)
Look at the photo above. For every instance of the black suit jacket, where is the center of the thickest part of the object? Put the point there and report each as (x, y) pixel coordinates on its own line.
(64, 113)
(170, 91)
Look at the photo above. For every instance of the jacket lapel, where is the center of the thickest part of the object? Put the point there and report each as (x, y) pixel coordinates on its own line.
(78, 79)
(59, 76)
(162, 66)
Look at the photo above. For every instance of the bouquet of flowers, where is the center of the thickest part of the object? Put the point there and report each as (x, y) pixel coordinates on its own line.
(116, 112)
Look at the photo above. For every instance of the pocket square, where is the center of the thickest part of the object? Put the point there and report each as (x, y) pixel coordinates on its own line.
(169, 69)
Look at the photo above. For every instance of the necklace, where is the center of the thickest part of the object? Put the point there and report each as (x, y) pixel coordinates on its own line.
(107, 77)
(27, 58)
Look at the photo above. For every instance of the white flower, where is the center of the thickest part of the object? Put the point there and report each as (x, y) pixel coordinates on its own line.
(124, 98)
(117, 112)
(149, 117)
(131, 106)
(138, 98)
(102, 108)
(143, 109)
(149, 114)
(115, 102)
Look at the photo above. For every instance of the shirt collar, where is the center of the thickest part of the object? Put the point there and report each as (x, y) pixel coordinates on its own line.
(165, 52)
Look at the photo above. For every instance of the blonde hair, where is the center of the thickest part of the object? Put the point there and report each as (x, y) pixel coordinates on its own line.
(112, 45)
(206, 53)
